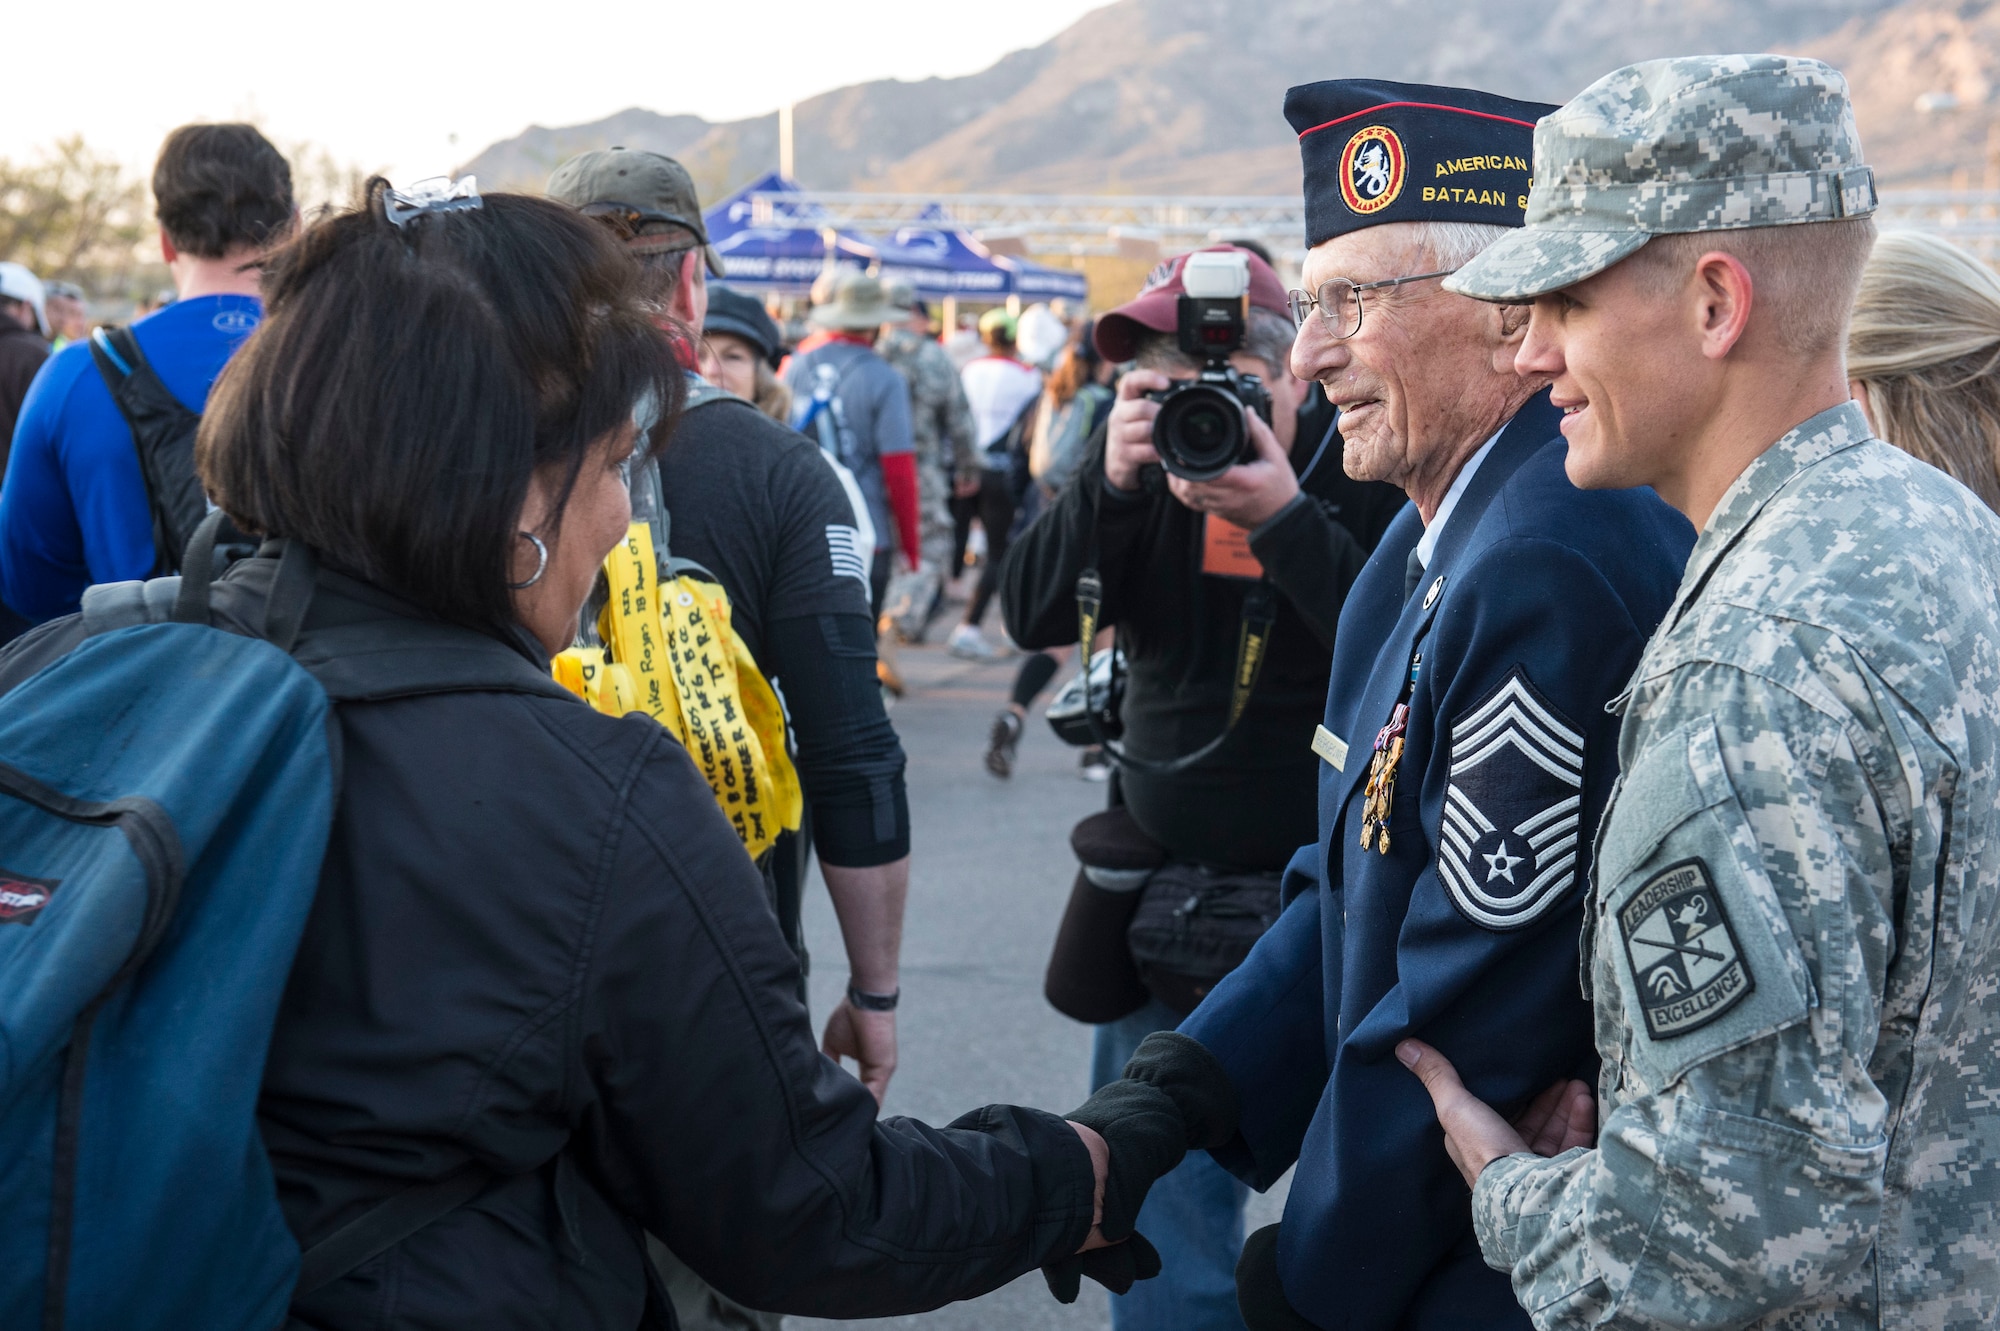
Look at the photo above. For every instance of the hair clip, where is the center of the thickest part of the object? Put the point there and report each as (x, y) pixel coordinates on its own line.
(439, 194)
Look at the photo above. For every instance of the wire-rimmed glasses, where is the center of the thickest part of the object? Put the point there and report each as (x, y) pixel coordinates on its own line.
(1339, 300)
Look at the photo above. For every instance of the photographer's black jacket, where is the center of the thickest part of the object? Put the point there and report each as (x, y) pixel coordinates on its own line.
(1250, 804)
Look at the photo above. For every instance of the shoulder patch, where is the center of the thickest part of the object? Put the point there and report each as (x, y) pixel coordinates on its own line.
(1507, 850)
(1686, 966)
(843, 546)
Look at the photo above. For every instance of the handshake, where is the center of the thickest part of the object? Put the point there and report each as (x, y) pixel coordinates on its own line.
(1174, 1098)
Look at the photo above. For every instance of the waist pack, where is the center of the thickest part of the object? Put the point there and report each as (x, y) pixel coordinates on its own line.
(166, 795)
(1195, 924)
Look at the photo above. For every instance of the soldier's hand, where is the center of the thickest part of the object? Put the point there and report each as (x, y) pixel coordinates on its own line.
(1559, 1119)
(1250, 493)
(869, 1038)
(1128, 435)
(1474, 1135)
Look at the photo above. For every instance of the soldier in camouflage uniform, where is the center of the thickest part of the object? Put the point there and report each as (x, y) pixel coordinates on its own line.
(940, 423)
(1795, 929)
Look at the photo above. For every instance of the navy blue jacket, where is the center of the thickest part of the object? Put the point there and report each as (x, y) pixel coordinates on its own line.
(1529, 618)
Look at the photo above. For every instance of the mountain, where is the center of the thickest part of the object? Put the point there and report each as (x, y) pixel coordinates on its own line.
(1185, 96)
(1923, 76)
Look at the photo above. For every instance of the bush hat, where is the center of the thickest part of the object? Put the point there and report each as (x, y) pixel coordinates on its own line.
(855, 302)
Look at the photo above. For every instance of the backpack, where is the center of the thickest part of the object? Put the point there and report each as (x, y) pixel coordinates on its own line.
(166, 794)
(163, 431)
(824, 421)
(1060, 436)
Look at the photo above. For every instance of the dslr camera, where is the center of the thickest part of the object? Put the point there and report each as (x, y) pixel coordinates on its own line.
(1202, 429)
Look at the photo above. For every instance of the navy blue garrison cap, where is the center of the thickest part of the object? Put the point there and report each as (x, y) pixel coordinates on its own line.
(1408, 152)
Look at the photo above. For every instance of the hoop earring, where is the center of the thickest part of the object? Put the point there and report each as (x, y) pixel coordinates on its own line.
(541, 563)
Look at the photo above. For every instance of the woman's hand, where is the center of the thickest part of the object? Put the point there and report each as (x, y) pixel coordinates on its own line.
(1100, 1166)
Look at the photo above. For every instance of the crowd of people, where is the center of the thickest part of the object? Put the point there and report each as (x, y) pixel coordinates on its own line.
(1552, 769)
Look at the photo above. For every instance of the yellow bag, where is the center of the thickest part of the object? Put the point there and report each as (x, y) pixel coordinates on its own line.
(674, 655)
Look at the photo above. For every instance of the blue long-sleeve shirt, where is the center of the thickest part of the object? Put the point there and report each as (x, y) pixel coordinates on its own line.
(73, 508)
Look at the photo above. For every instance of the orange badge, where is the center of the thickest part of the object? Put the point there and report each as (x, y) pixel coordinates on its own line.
(1372, 169)
(1225, 550)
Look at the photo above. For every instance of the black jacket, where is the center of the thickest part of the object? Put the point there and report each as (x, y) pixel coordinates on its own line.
(538, 945)
(1250, 804)
(22, 352)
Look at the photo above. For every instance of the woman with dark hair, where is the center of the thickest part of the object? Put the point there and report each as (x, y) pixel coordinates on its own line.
(538, 949)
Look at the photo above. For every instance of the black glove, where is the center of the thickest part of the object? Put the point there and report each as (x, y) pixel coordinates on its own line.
(1174, 1097)
(1116, 1268)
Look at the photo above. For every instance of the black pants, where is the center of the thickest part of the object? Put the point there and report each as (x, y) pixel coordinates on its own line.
(993, 505)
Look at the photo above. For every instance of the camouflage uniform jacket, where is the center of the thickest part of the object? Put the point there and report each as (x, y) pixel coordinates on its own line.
(940, 430)
(1794, 938)
(940, 419)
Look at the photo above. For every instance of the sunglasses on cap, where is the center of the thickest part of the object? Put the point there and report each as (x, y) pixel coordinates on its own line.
(628, 221)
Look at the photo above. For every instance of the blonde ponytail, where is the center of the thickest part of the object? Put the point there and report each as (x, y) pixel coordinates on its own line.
(1925, 346)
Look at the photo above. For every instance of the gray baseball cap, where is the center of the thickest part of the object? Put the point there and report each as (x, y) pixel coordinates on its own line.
(648, 198)
(1700, 143)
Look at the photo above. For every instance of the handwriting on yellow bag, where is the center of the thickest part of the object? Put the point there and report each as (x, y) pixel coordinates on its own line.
(730, 719)
(633, 633)
(674, 655)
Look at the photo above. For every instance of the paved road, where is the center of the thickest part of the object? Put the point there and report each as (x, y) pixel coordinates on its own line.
(991, 871)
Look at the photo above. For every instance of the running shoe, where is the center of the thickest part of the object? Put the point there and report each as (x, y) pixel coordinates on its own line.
(1093, 765)
(1002, 742)
(967, 643)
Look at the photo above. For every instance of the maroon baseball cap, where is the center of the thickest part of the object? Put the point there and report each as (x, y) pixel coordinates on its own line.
(1156, 308)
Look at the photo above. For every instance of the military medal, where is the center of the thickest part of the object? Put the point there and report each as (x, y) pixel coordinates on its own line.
(1380, 792)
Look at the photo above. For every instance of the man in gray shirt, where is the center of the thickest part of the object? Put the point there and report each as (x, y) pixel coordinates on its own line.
(858, 407)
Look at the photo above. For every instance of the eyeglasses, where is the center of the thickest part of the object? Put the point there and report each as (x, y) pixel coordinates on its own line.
(1339, 300)
(629, 221)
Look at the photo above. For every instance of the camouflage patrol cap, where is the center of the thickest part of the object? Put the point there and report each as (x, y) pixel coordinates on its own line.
(1700, 143)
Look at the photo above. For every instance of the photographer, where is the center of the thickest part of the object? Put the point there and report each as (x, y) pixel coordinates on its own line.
(1178, 560)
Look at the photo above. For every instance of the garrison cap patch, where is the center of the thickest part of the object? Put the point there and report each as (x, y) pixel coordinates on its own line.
(1372, 168)
(1508, 848)
(1685, 963)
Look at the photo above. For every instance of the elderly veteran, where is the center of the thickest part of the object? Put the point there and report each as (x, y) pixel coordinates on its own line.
(1466, 745)
(1795, 923)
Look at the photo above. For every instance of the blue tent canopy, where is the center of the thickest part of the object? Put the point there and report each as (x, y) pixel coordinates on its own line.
(939, 260)
(934, 257)
(1034, 281)
(775, 257)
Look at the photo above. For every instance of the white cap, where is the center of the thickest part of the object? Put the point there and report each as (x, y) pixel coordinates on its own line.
(17, 283)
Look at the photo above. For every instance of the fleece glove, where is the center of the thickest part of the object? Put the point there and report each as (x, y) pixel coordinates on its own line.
(1173, 1098)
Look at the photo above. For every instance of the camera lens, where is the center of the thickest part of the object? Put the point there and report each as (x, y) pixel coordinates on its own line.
(1199, 433)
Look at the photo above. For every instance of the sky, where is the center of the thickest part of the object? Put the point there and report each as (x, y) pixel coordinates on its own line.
(416, 87)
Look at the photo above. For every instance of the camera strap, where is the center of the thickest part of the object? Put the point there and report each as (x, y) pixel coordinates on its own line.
(1253, 644)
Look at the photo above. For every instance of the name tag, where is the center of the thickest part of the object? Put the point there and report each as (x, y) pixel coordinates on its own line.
(1330, 747)
(1225, 550)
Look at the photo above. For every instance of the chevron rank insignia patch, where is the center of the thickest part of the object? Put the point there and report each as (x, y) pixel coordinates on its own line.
(1508, 848)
